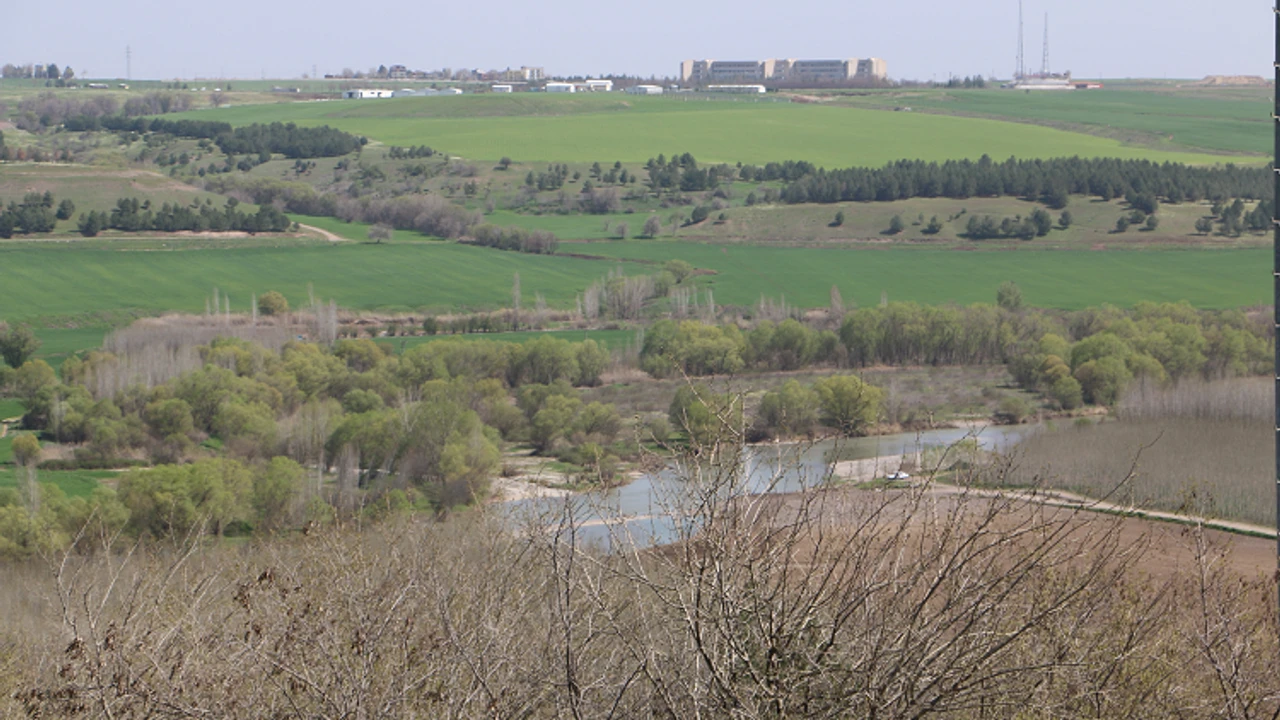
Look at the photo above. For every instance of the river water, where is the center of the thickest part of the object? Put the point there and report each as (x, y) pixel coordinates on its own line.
(639, 509)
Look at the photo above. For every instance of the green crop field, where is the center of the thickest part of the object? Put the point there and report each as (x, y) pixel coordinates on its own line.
(1234, 120)
(74, 483)
(49, 282)
(713, 130)
(1068, 279)
(57, 344)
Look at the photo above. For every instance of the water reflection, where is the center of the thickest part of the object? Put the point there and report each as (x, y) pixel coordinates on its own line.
(639, 511)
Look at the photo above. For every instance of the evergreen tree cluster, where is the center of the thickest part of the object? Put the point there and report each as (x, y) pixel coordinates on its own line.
(985, 227)
(34, 215)
(682, 173)
(410, 153)
(1051, 180)
(275, 138)
(553, 179)
(132, 215)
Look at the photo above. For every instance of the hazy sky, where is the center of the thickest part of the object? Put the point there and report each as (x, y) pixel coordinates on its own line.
(920, 39)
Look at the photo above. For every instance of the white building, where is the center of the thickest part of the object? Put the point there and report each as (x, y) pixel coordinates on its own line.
(500, 88)
(405, 92)
(644, 90)
(450, 91)
(742, 89)
(598, 86)
(560, 87)
(366, 94)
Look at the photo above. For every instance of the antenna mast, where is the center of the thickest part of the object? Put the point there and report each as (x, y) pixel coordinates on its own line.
(1021, 69)
(128, 63)
(1044, 64)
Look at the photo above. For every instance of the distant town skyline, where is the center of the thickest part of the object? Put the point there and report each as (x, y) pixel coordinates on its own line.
(919, 39)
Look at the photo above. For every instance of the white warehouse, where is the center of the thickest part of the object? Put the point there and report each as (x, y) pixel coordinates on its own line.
(644, 90)
(560, 87)
(366, 94)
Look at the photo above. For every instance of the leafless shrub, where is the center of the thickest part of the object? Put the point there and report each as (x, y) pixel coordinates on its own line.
(931, 601)
(1249, 399)
(153, 351)
(1211, 468)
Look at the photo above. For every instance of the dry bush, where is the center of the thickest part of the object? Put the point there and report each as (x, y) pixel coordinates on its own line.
(1211, 468)
(917, 603)
(1237, 399)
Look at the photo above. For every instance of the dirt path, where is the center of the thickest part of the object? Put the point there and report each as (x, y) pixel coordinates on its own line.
(323, 233)
(1058, 498)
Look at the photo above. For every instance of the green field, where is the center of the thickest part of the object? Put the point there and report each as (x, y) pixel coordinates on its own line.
(1068, 279)
(10, 409)
(1217, 119)
(57, 344)
(75, 483)
(487, 127)
(50, 282)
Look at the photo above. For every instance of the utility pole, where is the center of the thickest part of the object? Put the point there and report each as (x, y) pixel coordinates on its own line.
(128, 63)
(1275, 271)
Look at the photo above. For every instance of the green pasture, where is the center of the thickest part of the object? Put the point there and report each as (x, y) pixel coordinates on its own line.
(635, 129)
(1233, 120)
(58, 344)
(353, 230)
(10, 408)
(74, 483)
(612, 339)
(1067, 279)
(44, 283)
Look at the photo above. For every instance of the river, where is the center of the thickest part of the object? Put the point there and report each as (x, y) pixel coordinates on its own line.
(638, 507)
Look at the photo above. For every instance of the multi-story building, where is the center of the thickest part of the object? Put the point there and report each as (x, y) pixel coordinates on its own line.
(872, 68)
(705, 72)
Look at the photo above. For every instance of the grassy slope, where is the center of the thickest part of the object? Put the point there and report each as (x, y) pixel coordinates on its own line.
(53, 281)
(93, 188)
(1093, 223)
(1225, 119)
(715, 131)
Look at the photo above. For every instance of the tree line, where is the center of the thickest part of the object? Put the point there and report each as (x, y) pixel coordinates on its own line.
(274, 138)
(1050, 180)
(1072, 357)
(133, 215)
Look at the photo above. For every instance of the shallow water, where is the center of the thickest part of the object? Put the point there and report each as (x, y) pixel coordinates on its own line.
(637, 509)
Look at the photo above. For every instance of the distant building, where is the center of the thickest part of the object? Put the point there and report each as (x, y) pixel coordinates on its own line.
(644, 90)
(872, 68)
(366, 94)
(500, 88)
(703, 72)
(405, 92)
(449, 91)
(560, 87)
(741, 89)
(597, 86)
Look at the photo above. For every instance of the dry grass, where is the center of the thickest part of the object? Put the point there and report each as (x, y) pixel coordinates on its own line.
(1217, 468)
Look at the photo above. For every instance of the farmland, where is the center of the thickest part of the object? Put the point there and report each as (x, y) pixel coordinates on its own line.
(1231, 120)
(72, 281)
(587, 130)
